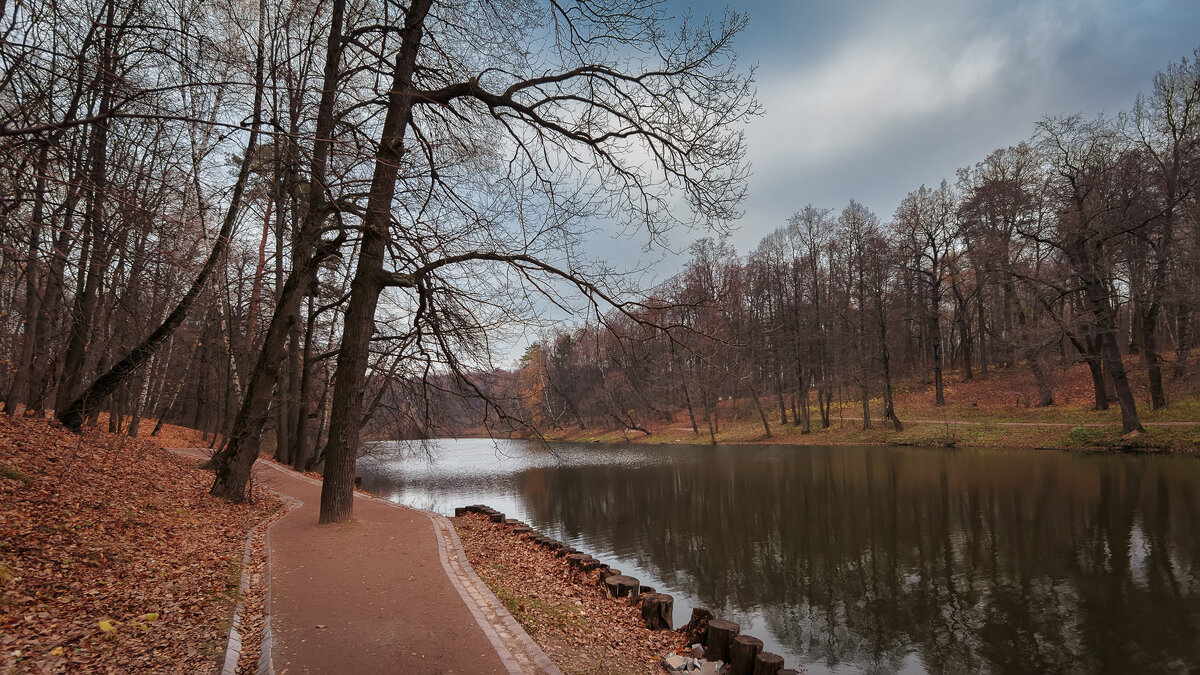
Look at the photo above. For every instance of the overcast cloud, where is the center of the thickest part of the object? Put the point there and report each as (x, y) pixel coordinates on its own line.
(869, 100)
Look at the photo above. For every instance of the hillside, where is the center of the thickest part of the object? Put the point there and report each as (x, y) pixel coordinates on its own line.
(113, 556)
(993, 411)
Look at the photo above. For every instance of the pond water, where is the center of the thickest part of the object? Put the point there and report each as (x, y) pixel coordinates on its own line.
(875, 560)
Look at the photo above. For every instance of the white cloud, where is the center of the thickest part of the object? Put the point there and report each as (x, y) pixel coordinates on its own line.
(893, 71)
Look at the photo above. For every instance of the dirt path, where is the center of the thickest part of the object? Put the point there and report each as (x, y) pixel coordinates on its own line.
(385, 593)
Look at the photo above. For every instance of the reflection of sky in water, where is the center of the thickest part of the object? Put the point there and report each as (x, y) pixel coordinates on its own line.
(864, 559)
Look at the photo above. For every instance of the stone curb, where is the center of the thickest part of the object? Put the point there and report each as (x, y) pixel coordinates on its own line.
(517, 651)
(233, 643)
(497, 623)
(266, 661)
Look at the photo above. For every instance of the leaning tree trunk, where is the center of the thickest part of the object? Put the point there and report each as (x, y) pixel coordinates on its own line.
(1106, 326)
(1040, 378)
(233, 464)
(762, 415)
(337, 490)
(73, 414)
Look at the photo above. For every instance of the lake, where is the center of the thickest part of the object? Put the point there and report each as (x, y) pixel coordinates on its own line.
(880, 560)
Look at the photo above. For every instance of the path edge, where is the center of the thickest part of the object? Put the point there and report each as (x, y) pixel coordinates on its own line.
(233, 641)
(448, 541)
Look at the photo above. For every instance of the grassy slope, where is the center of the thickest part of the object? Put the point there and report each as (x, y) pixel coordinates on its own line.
(991, 412)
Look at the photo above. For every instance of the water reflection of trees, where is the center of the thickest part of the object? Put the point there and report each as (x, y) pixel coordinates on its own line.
(970, 560)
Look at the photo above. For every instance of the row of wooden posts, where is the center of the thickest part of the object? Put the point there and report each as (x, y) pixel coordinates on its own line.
(722, 639)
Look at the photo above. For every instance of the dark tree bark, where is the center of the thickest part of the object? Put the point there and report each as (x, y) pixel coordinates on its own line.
(337, 490)
(72, 414)
(234, 463)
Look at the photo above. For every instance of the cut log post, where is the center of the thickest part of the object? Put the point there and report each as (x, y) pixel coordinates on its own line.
(512, 521)
(621, 586)
(496, 517)
(788, 671)
(742, 652)
(696, 629)
(579, 560)
(460, 511)
(720, 635)
(767, 663)
(522, 530)
(657, 610)
(648, 589)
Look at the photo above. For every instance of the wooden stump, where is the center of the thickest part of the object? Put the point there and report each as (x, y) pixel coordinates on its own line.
(512, 521)
(742, 654)
(461, 511)
(621, 586)
(648, 589)
(696, 629)
(788, 671)
(768, 664)
(496, 517)
(522, 530)
(720, 635)
(580, 561)
(657, 609)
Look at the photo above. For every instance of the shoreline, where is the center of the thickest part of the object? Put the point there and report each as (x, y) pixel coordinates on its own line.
(1181, 438)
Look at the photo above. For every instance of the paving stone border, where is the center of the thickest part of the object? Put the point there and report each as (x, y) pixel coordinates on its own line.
(519, 653)
(517, 650)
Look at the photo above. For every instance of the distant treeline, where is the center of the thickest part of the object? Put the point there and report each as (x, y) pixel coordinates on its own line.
(1079, 244)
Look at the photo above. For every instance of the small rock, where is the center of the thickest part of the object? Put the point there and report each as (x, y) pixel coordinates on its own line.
(710, 667)
(697, 652)
(675, 663)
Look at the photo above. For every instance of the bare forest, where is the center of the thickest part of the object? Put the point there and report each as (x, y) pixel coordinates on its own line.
(261, 219)
(295, 224)
(1078, 245)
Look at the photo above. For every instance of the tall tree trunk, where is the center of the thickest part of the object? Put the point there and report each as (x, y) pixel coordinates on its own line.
(687, 397)
(1183, 339)
(866, 400)
(337, 490)
(935, 342)
(233, 464)
(1153, 359)
(1106, 326)
(74, 413)
(300, 452)
(19, 390)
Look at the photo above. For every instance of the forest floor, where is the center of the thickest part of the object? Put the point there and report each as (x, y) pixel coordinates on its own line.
(566, 611)
(993, 410)
(113, 555)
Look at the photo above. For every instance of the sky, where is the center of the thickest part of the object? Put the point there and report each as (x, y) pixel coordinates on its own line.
(870, 99)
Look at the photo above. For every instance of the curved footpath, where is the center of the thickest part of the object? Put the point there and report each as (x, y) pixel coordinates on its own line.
(389, 592)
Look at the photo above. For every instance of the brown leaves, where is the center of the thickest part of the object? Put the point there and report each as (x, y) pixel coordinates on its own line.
(564, 610)
(118, 559)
